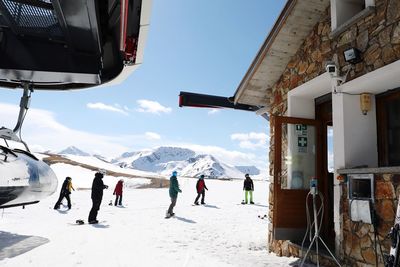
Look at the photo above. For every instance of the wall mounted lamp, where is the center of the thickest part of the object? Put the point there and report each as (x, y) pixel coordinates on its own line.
(365, 103)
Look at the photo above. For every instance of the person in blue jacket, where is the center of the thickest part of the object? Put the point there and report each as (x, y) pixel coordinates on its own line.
(173, 193)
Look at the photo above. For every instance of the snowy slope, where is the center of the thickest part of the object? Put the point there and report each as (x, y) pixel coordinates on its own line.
(221, 233)
(101, 164)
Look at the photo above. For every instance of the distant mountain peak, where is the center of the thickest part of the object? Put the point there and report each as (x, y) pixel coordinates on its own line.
(163, 160)
(72, 150)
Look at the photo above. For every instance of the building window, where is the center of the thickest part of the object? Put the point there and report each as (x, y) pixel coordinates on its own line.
(344, 12)
(388, 122)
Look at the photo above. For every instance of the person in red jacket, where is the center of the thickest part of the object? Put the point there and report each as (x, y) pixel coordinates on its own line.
(118, 192)
(200, 187)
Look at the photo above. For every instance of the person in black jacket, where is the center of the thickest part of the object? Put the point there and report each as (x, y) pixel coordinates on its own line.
(97, 195)
(248, 187)
(65, 192)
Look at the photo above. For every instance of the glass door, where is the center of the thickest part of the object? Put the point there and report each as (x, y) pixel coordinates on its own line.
(295, 164)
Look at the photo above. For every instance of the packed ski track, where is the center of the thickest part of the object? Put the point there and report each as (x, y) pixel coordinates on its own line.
(220, 233)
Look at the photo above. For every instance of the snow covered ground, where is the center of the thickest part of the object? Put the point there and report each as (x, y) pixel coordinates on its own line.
(221, 233)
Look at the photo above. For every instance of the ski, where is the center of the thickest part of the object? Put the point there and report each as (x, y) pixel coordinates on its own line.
(392, 260)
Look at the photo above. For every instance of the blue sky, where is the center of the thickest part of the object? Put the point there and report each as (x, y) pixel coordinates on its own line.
(196, 46)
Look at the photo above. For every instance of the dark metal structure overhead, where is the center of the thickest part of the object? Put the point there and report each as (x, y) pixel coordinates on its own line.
(61, 44)
(187, 99)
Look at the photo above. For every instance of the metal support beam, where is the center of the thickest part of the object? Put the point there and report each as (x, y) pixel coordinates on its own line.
(6, 133)
(187, 99)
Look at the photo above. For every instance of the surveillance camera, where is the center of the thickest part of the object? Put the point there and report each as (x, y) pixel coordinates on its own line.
(331, 68)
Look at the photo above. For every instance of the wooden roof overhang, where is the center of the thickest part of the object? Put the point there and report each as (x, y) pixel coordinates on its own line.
(295, 22)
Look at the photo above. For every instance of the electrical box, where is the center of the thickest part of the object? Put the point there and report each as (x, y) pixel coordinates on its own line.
(361, 186)
(361, 196)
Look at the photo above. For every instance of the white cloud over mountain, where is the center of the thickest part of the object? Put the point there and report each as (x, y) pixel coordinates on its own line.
(154, 107)
(251, 140)
(152, 136)
(102, 106)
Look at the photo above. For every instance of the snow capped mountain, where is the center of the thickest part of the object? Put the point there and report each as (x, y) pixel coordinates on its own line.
(153, 160)
(164, 160)
(210, 167)
(71, 150)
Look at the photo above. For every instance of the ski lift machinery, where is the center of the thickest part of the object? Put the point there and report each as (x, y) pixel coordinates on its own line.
(59, 45)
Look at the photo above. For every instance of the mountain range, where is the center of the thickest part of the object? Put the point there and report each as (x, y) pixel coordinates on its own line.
(164, 160)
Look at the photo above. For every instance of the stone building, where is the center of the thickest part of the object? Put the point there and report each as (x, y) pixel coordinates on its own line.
(328, 76)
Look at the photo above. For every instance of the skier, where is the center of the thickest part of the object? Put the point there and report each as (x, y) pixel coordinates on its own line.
(97, 194)
(118, 192)
(248, 187)
(200, 187)
(65, 192)
(173, 193)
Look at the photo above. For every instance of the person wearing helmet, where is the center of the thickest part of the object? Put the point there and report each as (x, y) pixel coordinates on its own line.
(173, 193)
(97, 195)
(200, 187)
(65, 192)
(118, 192)
(248, 187)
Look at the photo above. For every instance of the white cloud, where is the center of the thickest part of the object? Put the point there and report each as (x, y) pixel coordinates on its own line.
(152, 136)
(213, 111)
(41, 131)
(251, 140)
(152, 107)
(116, 108)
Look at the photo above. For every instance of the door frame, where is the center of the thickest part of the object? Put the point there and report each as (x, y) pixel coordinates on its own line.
(290, 229)
(324, 114)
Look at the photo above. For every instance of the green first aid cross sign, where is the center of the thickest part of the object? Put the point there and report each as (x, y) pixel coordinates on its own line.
(302, 141)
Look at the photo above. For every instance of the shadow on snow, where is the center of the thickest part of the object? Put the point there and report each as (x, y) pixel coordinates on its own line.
(184, 219)
(12, 245)
(211, 206)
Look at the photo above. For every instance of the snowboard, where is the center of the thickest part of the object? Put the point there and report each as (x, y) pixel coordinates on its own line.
(392, 260)
(82, 222)
(167, 216)
(199, 204)
(244, 203)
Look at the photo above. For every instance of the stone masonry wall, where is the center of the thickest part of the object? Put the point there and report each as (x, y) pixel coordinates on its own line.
(377, 36)
(359, 239)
